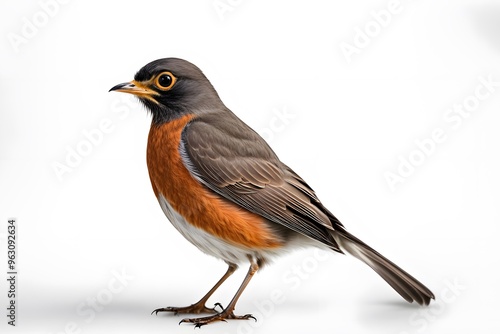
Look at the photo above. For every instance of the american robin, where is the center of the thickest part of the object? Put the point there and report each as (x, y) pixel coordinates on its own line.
(225, 190)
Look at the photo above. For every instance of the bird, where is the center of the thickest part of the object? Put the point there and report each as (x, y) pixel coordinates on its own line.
(226, 191)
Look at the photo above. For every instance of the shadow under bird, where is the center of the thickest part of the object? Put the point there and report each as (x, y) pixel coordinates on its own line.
(226, 191)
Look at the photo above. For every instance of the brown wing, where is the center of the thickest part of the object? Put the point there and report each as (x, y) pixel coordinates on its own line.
(231, 159)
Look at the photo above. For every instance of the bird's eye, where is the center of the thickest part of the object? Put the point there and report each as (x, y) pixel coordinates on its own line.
(165, 81)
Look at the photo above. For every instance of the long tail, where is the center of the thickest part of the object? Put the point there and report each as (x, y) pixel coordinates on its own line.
(406, 285)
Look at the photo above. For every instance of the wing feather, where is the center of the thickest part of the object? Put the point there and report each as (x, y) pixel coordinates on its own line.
(231, 159)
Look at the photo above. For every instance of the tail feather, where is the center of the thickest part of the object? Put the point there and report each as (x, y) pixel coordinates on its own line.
(406, 285)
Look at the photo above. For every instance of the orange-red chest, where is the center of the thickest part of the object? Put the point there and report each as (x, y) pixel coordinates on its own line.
(198, 205)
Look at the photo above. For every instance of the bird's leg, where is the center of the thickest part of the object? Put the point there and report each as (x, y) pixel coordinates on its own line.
(200, 307)
(227, 313)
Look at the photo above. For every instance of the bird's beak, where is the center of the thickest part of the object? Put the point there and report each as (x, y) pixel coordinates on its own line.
(136, 88)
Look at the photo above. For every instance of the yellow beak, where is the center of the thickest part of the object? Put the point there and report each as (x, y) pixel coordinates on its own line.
(136, 88)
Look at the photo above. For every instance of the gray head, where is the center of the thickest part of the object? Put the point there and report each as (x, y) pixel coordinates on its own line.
(171, 88)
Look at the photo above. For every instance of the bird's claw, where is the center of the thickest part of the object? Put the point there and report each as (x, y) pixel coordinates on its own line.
(223, 316)
(192, 309)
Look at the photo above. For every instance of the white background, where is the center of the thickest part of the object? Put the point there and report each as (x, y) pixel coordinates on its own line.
(351, 123)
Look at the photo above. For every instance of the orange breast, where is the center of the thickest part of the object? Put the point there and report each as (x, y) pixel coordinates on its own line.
(199, 206)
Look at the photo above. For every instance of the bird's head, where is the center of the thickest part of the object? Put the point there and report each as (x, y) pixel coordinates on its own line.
(171, 88)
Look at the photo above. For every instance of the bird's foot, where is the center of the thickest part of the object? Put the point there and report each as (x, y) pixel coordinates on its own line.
(223, 316)
(192, 309)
